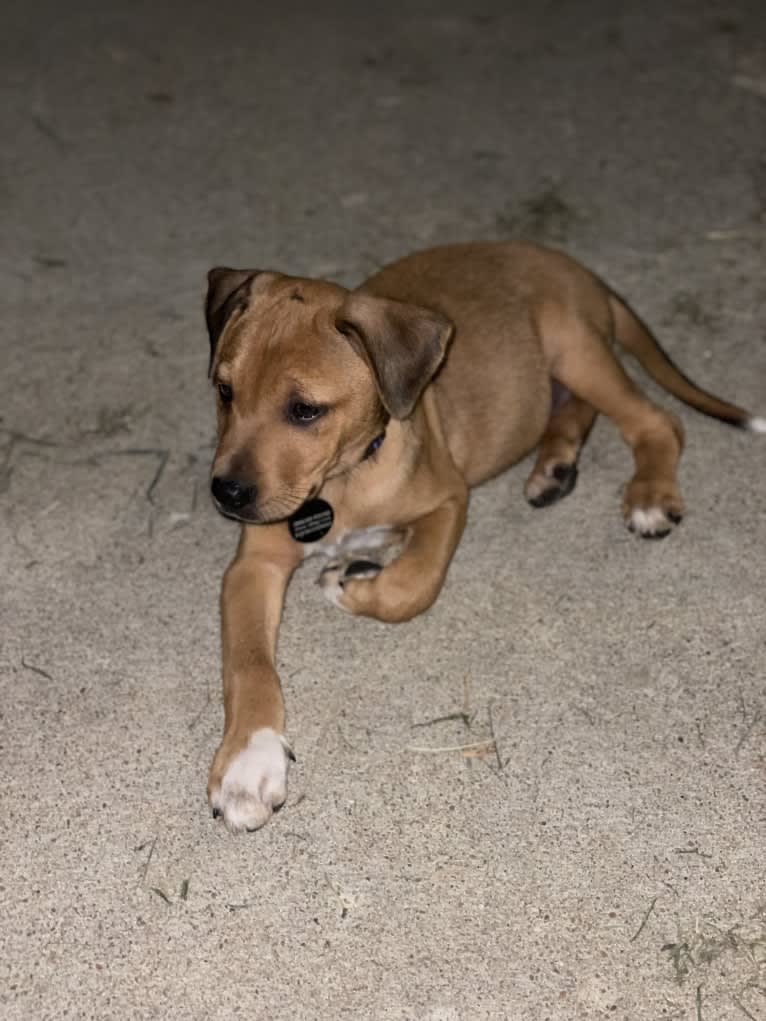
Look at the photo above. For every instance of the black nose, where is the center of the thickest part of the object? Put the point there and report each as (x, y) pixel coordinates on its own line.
(231, 493)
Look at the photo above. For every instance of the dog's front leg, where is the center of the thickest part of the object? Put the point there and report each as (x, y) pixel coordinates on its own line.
(248, 777)
(410, 584)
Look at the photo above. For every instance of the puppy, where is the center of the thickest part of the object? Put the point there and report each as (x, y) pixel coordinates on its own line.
(353, 424)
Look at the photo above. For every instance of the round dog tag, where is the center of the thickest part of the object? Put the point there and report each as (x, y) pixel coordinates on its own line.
(311, 521)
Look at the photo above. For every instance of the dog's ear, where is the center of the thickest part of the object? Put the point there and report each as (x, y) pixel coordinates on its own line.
(227, 293)
(403, 345)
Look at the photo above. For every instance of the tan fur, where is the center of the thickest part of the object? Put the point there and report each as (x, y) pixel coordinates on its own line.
(454, 350)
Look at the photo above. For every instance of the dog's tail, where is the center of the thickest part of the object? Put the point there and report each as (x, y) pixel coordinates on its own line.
(636, 338)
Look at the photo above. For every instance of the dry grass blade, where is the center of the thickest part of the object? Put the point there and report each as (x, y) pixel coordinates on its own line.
(487, 744)
(744, 1009)
(36, 669)
(443, 719)
(482, 752)
(644, 920)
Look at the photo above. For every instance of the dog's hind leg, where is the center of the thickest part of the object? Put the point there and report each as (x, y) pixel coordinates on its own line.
(555, 472)
(652, 503)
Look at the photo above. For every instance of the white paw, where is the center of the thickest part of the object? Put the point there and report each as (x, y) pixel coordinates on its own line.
(652, 522)
(329, 581)
(337, 573)
(255, 784)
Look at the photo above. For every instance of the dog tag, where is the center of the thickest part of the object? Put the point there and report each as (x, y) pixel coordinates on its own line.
(311, 521)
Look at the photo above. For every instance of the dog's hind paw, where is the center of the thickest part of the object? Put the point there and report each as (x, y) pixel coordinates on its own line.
(652, 522)
(544, 488)
(254, 784)
(652, 509)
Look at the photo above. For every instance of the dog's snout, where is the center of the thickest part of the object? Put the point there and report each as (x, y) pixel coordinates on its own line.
(233, 494)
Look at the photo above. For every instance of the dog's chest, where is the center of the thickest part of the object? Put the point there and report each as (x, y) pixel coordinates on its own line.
(377, 539)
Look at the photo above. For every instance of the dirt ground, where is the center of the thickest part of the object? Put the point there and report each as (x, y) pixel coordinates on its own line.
(544, 799)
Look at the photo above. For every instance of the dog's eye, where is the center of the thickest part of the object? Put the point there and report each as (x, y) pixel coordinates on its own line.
(226, 393)
(301, 413)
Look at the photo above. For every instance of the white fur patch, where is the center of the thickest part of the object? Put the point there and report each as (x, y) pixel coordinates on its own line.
(255, 784)
(757, 425)
(649, 520)
(354, 539)
(380, 544)
(330, 583)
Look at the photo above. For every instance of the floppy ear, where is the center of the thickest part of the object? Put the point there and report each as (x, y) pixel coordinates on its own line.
(403, 345)
(227, 292)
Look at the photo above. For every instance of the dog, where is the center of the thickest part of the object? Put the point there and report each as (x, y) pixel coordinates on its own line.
(352, 423)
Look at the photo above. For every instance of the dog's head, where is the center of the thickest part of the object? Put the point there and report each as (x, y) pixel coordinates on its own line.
(306, 374)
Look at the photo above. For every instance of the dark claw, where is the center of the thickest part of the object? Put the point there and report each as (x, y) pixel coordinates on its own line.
(544, 499)
(655, 535)
(675, 517)
(216, 813)
(566, 476)
(563, 471)
(366, 567)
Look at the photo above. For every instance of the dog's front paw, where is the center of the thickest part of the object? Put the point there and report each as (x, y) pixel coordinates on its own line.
(253, 785)
(337, 573)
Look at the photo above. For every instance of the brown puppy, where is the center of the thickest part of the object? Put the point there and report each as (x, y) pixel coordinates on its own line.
(381, 407)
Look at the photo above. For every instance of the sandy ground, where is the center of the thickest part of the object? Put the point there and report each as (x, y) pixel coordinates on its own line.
(602, 853)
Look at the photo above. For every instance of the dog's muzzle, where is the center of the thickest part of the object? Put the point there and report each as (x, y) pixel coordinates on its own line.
(232, 495)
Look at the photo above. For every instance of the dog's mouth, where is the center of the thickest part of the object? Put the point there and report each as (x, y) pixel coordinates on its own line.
(270, 512)
(244, 516)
